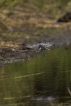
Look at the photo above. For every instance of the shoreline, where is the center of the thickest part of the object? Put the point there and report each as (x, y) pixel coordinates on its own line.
(21, 52)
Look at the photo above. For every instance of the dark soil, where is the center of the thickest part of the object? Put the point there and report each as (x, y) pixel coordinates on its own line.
(65, 18)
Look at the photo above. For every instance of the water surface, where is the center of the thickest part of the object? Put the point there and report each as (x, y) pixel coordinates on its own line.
(28, 83)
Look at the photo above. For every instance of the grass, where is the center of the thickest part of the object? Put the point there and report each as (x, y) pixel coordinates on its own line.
(41, 32)
(3, 26)
(49, 7)
(63, 3)
(10, 3)
(17, 36)
(37, 3)
(49, 32)
(45, 6)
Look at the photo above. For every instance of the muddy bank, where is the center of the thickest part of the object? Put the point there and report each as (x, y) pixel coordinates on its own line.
(20, 51)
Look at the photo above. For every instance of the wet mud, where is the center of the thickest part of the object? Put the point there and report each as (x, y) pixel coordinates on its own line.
(28, 50)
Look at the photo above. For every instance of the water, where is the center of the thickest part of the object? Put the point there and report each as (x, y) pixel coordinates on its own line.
(41, 81)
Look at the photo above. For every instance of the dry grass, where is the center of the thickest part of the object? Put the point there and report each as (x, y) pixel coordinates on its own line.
(35, 14)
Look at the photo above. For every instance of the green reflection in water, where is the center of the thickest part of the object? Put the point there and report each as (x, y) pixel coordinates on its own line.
(48, 74)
